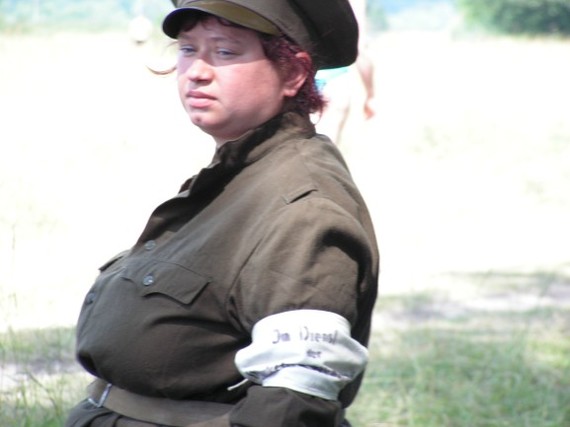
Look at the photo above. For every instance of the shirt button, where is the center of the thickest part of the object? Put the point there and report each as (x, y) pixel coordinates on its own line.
(150, 245)
(90, 298)
(148, 280)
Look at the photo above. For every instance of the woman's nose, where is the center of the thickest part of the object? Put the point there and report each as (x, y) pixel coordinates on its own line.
(200, 70)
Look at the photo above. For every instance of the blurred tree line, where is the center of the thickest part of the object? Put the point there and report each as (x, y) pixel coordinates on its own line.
(21, 16)
(534, 17)
(524, 17)
(530, 17)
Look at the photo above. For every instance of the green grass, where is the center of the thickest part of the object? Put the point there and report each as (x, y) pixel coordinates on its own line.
(39, 380)
(496, 354)
(444, 376)
(505, 369)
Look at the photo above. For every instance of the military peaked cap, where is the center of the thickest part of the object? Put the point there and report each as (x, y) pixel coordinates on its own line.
(327, 29)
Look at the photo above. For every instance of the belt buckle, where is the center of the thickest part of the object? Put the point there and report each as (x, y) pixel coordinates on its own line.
(102, 398)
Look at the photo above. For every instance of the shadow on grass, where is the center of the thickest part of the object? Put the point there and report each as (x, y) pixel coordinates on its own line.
(458, 296)
(486, 361)
(544, 283)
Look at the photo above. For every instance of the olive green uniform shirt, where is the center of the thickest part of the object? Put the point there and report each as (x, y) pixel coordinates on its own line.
(274, 224)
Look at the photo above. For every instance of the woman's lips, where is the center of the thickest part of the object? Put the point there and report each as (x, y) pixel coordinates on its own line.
(199, 99)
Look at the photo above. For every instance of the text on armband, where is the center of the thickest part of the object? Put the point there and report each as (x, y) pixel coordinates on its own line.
(305, 334)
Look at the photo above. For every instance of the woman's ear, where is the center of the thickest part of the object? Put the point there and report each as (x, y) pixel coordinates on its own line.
(297, 74)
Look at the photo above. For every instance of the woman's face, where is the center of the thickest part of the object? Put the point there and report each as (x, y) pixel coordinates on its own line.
(226, 83)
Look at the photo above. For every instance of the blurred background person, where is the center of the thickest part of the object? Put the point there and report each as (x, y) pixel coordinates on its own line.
(342, 87)
(140, 29)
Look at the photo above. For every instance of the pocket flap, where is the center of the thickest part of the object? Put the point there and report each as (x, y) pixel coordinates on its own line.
(166, 278)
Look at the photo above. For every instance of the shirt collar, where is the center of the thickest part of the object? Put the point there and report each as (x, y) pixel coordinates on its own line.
(255, 144)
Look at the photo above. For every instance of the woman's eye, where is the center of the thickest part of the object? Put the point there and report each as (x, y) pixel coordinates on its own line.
(186, 50)
(225, 53)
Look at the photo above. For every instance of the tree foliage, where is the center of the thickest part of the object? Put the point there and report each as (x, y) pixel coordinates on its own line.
(83, 15)
(531, 17)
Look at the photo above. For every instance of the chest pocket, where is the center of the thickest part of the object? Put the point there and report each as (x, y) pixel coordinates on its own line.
(165, 278)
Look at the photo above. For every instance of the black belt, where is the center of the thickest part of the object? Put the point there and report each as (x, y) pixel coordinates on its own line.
(157, 410)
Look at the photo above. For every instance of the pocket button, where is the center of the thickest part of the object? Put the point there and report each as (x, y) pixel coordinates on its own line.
(148, 280)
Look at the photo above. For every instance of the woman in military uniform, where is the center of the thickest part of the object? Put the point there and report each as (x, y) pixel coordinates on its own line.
(247, 300)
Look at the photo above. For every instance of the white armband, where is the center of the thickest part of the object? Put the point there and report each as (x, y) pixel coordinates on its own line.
(309, 351)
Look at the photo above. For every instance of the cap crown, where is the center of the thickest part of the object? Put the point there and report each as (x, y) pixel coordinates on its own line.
(325, 28)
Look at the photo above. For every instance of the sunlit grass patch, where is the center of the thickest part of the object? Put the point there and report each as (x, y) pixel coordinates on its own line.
(490, 373)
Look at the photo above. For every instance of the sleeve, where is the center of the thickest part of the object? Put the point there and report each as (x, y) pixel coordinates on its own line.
(313, 256)
(280, 407)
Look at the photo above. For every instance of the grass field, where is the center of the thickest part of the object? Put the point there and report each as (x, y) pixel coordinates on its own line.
(465, 168)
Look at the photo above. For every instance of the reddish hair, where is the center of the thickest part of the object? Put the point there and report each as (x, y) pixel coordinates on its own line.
(282, 52)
